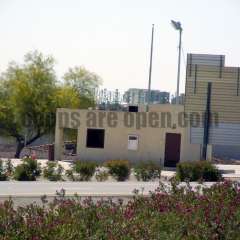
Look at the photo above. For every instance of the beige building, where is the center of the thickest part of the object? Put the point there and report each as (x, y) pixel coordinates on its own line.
(161, 134)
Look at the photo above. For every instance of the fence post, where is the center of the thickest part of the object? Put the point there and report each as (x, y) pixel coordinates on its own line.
(51, 152)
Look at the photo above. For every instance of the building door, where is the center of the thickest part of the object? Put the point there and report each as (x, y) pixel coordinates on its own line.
(172, 149)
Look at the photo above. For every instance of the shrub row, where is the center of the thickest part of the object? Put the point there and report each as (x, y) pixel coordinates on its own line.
(120, 170)
(169, 214)
(197, 171)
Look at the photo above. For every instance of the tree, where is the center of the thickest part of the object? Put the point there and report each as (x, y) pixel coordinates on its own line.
(26, 96)
(84, 81)
(68, 97)
(29, 96)
(77, 91)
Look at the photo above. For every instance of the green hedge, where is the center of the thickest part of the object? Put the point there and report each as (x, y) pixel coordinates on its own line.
(197, 171)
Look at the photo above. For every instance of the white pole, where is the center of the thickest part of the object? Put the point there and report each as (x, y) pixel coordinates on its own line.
(150, 70)
(179, 64)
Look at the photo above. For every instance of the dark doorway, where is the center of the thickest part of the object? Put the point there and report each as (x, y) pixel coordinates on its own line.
(172, 149)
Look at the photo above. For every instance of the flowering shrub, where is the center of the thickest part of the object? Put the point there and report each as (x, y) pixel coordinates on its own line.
(119, 169)
(195, 171)
(178, 213)
(147, 171)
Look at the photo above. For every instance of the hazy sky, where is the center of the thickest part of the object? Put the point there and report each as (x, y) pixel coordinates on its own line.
(112, 37)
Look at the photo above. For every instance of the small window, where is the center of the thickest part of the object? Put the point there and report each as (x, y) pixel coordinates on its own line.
(132, 142)
(131, 137)
(95, 138)
(133, 108)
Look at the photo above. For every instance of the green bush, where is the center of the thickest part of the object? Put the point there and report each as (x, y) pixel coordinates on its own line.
(147, 171)
(53, 171)
(21, 173)
(119, 169)
(3, 173)
(197, 171)
(102, 176)
(84, 170)
(27, 171)
(33, 165)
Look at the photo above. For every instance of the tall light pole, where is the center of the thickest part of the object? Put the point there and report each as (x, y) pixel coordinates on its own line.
(150, 70)
(178, 27)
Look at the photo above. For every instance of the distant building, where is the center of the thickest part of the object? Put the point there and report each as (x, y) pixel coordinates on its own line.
(181, 99)
(138, 96)
(105, 96)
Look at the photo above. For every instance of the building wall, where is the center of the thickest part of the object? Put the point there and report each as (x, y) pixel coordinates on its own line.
(225, 98)
(151, 140)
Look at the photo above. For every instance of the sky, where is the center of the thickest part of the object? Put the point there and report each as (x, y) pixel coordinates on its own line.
(112, 37)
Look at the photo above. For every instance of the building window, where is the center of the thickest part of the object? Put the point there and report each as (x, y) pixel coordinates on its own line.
(133, 108)
(95, 138)
(132, 142)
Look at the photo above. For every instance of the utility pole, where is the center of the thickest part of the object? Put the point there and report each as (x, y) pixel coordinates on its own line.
(150, 70)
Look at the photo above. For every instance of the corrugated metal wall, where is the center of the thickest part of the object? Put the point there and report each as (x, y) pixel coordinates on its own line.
(223, 134)
(225, 97)
(206, 59)
(226, 152)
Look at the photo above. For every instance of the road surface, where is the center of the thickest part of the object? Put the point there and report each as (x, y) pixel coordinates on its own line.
(13, 188)
(24, 193)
